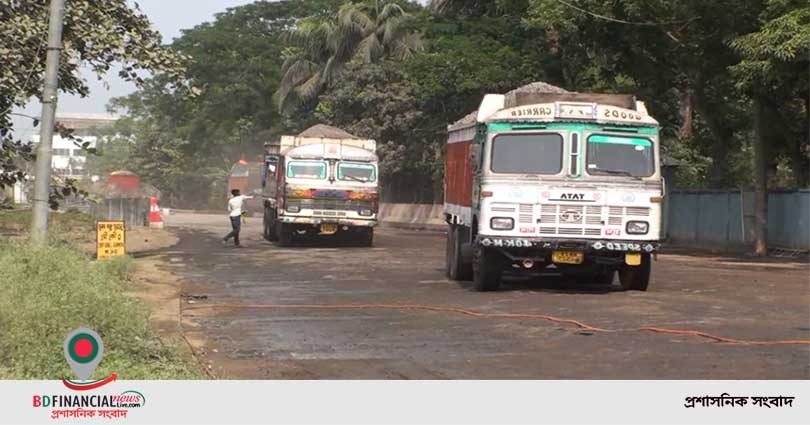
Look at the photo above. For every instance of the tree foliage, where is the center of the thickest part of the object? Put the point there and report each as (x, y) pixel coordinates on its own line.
(185, 145)
(378, 101)
(700, 69)
(321, 46)
(96, 35)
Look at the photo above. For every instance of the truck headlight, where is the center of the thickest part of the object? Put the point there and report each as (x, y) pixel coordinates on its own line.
(293, 208)
(502, 223)
(365, 212)
(637, 227)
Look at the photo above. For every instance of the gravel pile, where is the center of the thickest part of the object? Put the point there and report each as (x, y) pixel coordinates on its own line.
(326, 132)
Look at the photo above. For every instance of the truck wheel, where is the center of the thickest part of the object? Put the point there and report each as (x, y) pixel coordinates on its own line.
(367, 237)
(456, 267)
(283, 234)
(486, 269)
(636, 278)
(269, 225)
(448, 253)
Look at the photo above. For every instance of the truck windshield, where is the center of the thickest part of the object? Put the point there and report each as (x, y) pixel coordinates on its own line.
(527, 153)
(356, 172)
(620, 155)
(306, 170)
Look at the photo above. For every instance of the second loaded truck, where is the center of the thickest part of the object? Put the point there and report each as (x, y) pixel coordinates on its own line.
(320, 182)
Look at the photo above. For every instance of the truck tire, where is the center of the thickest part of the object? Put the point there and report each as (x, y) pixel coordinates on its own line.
(487, 267)
(636, 278)
(448, 253)
(456, 267)
(269, 225)
(367, 237)
(283, 234)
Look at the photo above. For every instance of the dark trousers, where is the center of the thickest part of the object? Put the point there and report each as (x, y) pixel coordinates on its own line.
(236, 223)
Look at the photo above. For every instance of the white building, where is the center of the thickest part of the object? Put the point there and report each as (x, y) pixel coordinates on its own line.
(19, 192)
(68, 159)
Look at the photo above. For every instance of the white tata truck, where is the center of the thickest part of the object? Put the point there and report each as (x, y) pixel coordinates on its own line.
(564, 181)
(321, 182)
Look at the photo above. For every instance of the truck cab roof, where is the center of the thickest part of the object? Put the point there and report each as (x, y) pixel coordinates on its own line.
(543, 102)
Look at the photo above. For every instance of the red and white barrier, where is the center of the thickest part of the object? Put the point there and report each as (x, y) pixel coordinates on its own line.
(155, 218)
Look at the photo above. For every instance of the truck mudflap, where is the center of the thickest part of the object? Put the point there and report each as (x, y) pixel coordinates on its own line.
(597, 245)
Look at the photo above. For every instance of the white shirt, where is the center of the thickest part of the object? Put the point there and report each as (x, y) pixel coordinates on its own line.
(235, 205)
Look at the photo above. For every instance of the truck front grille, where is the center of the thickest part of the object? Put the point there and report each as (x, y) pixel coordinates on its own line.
(580, 220)
(526, 214)
(328, 206)
(570, 231)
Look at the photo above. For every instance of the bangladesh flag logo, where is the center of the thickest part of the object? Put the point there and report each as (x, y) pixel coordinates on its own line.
(83, 348)
(83, 352)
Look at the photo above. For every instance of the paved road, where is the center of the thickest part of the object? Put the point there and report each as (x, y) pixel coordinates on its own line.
(729, 297)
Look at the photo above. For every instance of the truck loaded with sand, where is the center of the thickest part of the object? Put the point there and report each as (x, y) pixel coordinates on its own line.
(546, 180)
(320, 182)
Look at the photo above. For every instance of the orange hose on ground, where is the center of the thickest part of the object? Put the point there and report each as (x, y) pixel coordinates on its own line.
(464, 311)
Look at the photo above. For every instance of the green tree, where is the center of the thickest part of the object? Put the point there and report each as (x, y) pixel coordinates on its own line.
(774, 65)
(96, 35)
(377, 101)
(366, 32)
(113, 154)
(185, 145)
(773, 72)
(477, 7)
(672, 54)
(464, 59)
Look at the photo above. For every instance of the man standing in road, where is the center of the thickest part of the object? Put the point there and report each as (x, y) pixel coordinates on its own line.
(235, 205)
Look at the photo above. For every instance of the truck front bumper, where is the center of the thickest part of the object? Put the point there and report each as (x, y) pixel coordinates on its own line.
(584, 245)
(321, 220)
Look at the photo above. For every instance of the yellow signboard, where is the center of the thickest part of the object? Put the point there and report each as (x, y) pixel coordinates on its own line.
(110, 239)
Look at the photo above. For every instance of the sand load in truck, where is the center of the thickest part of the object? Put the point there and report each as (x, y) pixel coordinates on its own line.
(321, 182)
(545, 180)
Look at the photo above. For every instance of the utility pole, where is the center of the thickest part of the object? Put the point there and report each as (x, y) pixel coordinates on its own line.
(39, 223)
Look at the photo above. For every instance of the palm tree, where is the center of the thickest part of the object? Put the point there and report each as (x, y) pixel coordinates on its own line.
(362, 32)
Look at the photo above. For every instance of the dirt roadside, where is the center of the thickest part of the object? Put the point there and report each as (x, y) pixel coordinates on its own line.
(161, 292)
(140, 241)
(159, 289)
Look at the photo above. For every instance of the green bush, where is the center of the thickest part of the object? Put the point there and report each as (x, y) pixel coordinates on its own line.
(47, 291)
(58, 222)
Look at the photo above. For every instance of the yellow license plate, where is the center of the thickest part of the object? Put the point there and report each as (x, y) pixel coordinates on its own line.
(632, 259)
(567, 257)
(329, 229)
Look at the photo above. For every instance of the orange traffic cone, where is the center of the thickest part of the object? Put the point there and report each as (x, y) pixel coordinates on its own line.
(155, 219)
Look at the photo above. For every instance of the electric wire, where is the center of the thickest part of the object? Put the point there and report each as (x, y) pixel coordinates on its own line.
(608, 18)
(523, 316)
